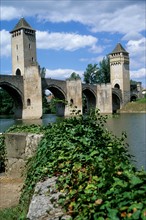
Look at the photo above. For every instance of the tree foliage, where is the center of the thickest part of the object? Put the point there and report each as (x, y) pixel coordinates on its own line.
(91, 74)
(6, 103)
(43, 72)
(95, 74)
(74, 76)
(104, 70)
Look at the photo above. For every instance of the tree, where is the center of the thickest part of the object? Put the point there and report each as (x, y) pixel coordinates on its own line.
(104, 70)
(91, 74)
(43, 72)
(6, 103)
(74, 76)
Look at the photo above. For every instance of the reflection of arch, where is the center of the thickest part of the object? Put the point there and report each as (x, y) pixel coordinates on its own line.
(16, 96)
(115, 102)
(117, 86)
(89, 100)
(18, 72)
(60, 98)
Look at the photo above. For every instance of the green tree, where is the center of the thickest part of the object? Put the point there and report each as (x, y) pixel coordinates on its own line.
(74, 76)
(43, 72)
(104, 70)
(91, 74)
(6, 103)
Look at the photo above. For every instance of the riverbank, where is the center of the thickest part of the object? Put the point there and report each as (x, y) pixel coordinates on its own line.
(138, 106)
(10, 190)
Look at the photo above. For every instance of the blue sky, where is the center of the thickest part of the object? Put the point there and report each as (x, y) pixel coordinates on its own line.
(73, 33)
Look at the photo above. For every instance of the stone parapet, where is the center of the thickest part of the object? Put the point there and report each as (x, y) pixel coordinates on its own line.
(19, 148)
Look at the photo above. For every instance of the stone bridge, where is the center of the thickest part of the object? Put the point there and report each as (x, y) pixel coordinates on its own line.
(73, 92)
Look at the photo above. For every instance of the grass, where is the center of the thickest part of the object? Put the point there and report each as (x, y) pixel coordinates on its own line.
(137, 106)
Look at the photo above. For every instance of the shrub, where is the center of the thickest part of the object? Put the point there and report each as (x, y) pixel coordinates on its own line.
(93, 169)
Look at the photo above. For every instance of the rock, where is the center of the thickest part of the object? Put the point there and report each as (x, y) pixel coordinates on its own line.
(44, 203)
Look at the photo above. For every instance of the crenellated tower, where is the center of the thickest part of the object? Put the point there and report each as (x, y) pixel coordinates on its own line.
(119, 72)
(24, 63)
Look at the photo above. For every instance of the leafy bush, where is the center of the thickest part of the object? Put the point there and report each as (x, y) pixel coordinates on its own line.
(93, 170)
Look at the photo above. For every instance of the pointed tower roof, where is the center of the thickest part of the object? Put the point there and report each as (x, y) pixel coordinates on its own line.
(22, 24)
(119, 48)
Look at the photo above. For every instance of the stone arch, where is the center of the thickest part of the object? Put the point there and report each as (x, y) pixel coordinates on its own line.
(89, 100)
(16, 96)
(116, 102)
(133, 97)
(60, 98)
(18, 72)
(117, 86)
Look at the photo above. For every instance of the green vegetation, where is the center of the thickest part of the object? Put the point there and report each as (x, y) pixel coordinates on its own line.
(97, 75)
(6, 103)
(136, 106)
(93, 169)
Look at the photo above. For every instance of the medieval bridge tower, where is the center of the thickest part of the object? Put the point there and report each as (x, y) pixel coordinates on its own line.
(24, 63)
(119, 74)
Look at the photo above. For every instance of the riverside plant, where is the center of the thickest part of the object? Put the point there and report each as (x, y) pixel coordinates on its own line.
(93, 169)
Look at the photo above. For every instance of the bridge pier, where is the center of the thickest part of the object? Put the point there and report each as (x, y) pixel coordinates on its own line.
(73, 97)
(32, 104)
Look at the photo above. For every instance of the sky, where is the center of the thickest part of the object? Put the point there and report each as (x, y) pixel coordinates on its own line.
(70, 34)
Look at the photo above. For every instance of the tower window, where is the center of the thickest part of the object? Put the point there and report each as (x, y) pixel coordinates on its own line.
(28, 102)
(18, 72)
(117, 86)
(29, 46)
(17, 58)
(71, 102)
(17, 46)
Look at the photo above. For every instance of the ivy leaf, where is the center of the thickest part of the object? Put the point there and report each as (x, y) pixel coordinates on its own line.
(135, 180)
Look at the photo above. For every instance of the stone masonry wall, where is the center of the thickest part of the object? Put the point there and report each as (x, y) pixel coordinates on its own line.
(19, 148)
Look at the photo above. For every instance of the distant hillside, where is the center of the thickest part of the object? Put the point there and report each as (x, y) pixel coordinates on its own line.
(137, 106)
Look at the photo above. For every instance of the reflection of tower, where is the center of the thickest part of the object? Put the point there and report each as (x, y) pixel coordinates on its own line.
(119, 71)
(24, 63)
(23, 42)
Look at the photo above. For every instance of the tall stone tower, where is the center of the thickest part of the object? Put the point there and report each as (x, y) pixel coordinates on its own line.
(119, 72)
(24, 63)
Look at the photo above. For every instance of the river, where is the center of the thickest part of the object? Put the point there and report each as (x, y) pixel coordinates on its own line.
(133, 124)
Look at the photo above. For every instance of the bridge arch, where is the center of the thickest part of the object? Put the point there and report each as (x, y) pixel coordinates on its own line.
(133, 97)
(16, 96)
(60, 97)
(116, 101)
(89, 99)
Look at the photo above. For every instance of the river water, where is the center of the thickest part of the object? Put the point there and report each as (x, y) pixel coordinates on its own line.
(133, 124)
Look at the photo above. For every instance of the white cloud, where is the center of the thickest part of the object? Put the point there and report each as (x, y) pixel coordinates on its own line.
(136, 46)
(66, 41)
(126, 17)
(62, 73)
(5, 43)
(137, 74)
(92, 59)
(9, 13)
(136, 49)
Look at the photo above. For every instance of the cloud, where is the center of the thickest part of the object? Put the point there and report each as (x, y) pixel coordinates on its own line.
(65, 41)
(62, 73)
(125, 17)
(136, 49)
(138, 74)
(5, 43)
(92, 59)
